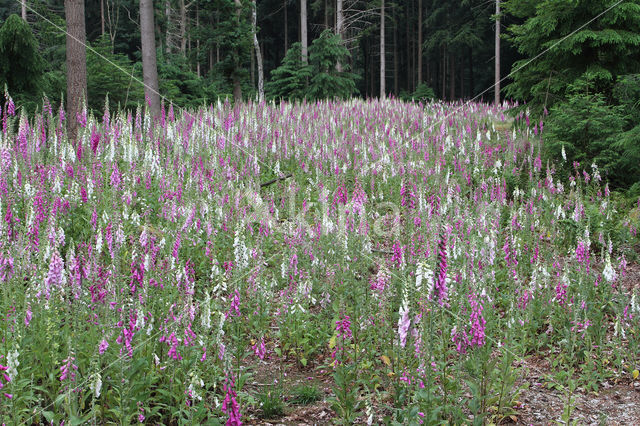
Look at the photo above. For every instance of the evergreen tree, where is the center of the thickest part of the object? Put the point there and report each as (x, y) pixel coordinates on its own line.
(21, 65)
(578, 58)
(318, 80)
(585, 39)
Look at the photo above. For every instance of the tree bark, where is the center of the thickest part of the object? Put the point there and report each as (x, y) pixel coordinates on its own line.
(198, 41)
(303, 30)
(149, 65)
(102, 17)
(24, 10)
(237, 87)
(408, 49)
(452, 73)
(472, 86)
(443, 74)
(419, 41)
(382, 50)
(76, 63)
(326, 14)
(256, 47)
(183, 28)
(286, 28)
(167, 12)
(496, 88)
(339, 26)
(395, 53)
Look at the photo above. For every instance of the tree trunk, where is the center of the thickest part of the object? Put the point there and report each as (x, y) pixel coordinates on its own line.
(198, 41)
(395, 53)
(303, 30)
(183, 28)
(382, 50)
(76, 63)
(452, 72)
(443, 74)
(326, 14)
(496, 88)
(462, 77)
(102, 17)
(339, 26)
(286, 28)
(167, 12)
(472, 86)
(419, 41)
(149, 66)
(408, 49)
(24, 10)
(237, 87)
(256, 47)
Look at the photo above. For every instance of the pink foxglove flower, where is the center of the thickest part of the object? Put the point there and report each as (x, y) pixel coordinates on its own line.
(230, 405)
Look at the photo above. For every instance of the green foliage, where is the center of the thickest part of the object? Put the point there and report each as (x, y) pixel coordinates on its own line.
(599, 52)
(317, 80)
(182, 86)
(587, 127)
(324, 53)
(583, 78)
(290, 80)
(306, 394)
(423, 93)
(21, 64)
(107, 75)
(232, 36)
(626, 92)
(271, 405)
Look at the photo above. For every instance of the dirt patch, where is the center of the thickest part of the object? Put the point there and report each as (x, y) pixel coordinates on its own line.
(616, 405)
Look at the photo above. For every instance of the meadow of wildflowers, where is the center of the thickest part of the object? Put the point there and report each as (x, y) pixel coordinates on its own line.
(413, 255)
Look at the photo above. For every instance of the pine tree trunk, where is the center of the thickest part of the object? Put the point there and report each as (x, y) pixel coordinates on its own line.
(462, 77)
(149, 65)
(443, 79)
(497, 54)
(256, 47)
(303, 30)
(472, 87)
(339, 26)
(395, 53)
(183, 28)
(452, 73)
(198, 41)
(102, 17)
(286, 28)
(326, 14)
(408, 50)
(382, 51)
(76, 63)
(167, 12)
(419, 41)
(24, 10)
(237, 87)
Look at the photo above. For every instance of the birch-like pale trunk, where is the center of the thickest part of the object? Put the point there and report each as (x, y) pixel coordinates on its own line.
(339, 26)
(496, 88)
(419, 42)
(303, 30)
(382, 51)
(256, 47)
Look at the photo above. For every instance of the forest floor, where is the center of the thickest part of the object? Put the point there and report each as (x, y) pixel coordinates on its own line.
(616, 401)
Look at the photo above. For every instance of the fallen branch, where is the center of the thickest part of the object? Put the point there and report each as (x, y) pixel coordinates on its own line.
(272, 181)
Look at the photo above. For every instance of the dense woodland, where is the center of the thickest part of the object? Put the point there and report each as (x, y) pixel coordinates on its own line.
(449, 46)
(315, 49)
